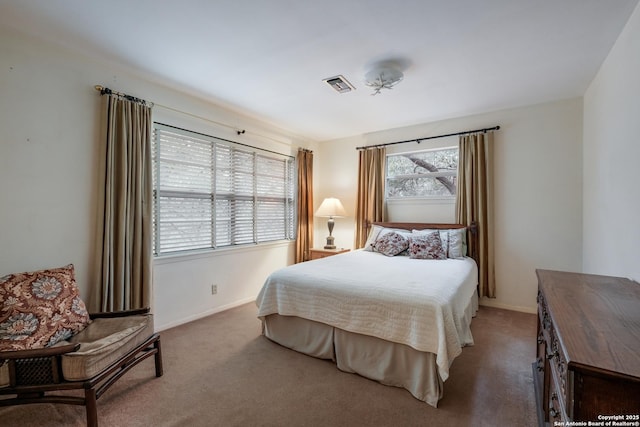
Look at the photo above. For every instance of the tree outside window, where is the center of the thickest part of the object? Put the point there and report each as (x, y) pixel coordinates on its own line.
(422, 174)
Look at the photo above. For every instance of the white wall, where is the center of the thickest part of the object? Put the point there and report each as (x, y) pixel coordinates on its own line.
(611, 160)
(49, 120)
(538, 190)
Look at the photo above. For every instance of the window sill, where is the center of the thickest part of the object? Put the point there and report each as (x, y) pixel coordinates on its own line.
(208, 253)
(422, 200)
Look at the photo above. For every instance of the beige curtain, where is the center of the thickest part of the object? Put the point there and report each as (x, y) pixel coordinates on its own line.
(474, 202)
(124, 256)
(370, 204)
(304, 240)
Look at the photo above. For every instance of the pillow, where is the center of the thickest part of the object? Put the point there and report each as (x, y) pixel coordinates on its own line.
(372, 237)
(426, 246)
(457, 242)
(454, 241)
(39, 309)
(391, 244)
(444, 237)
(377, 232)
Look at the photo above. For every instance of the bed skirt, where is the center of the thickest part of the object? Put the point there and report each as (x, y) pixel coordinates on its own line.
(387, 362)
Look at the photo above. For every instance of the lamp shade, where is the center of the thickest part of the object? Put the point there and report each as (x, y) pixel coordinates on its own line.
(331, 207)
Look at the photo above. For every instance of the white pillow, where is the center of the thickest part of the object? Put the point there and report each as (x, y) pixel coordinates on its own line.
(457, 243)
(372, 237)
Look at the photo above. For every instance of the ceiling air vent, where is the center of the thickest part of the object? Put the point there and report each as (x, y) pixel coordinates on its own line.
(339, 84)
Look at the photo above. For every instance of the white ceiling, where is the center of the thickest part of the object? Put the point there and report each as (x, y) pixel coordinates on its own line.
(268, 58)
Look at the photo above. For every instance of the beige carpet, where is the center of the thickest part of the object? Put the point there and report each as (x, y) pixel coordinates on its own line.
(219, 371)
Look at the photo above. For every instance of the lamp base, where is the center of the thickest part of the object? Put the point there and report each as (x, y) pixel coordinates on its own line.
(330, 243)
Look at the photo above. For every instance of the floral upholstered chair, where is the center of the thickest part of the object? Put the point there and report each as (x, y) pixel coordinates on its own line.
(49, 342)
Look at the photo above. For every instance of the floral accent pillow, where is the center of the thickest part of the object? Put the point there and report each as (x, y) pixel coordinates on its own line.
(39, 309)
(444, 237)
(391, 244)
(426, 246)
(454, 241)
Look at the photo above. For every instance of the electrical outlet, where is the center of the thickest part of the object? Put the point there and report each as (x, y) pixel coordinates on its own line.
(214, 289)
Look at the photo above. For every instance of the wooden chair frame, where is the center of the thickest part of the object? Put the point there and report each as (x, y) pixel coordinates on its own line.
(34, 373)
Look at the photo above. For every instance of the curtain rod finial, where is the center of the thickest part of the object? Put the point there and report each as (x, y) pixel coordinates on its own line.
(98, 87)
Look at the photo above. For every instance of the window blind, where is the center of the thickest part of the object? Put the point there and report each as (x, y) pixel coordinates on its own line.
(209, 193)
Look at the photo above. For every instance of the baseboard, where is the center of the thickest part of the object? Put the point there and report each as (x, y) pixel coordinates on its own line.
(487, 302)
(205, 314)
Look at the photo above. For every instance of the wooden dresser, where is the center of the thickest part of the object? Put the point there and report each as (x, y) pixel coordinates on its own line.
(588, 353)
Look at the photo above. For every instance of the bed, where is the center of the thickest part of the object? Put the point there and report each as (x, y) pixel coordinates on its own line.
(380, 312)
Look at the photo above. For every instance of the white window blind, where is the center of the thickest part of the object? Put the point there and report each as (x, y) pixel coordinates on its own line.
(210, 193)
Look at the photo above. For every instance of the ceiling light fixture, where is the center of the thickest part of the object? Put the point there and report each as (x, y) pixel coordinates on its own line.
(384, 75)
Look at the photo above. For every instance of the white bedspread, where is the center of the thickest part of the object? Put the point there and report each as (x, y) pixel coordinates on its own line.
(419, 303)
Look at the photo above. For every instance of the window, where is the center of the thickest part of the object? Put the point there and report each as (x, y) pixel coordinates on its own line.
(426, 174)
(210, 193)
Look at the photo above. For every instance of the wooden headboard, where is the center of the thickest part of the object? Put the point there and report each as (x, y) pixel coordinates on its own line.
(472, 231)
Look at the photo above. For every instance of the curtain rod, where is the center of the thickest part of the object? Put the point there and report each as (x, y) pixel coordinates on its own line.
(418, 140)
(225, 140)
(106, 90)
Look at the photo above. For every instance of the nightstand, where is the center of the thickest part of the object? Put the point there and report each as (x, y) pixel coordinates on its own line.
(323, 253)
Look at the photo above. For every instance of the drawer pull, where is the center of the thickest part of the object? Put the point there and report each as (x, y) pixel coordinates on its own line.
(553, 412)
(554, 396)
(540, 339)
(552, 355)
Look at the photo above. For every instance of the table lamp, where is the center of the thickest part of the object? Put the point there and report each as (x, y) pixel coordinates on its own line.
(331, 207)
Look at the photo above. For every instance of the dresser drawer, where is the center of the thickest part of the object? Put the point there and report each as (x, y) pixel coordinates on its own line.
(543, 311)
(557, 366)
(557, 363)
(553, 349)
(541, 353)
(555, 412)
